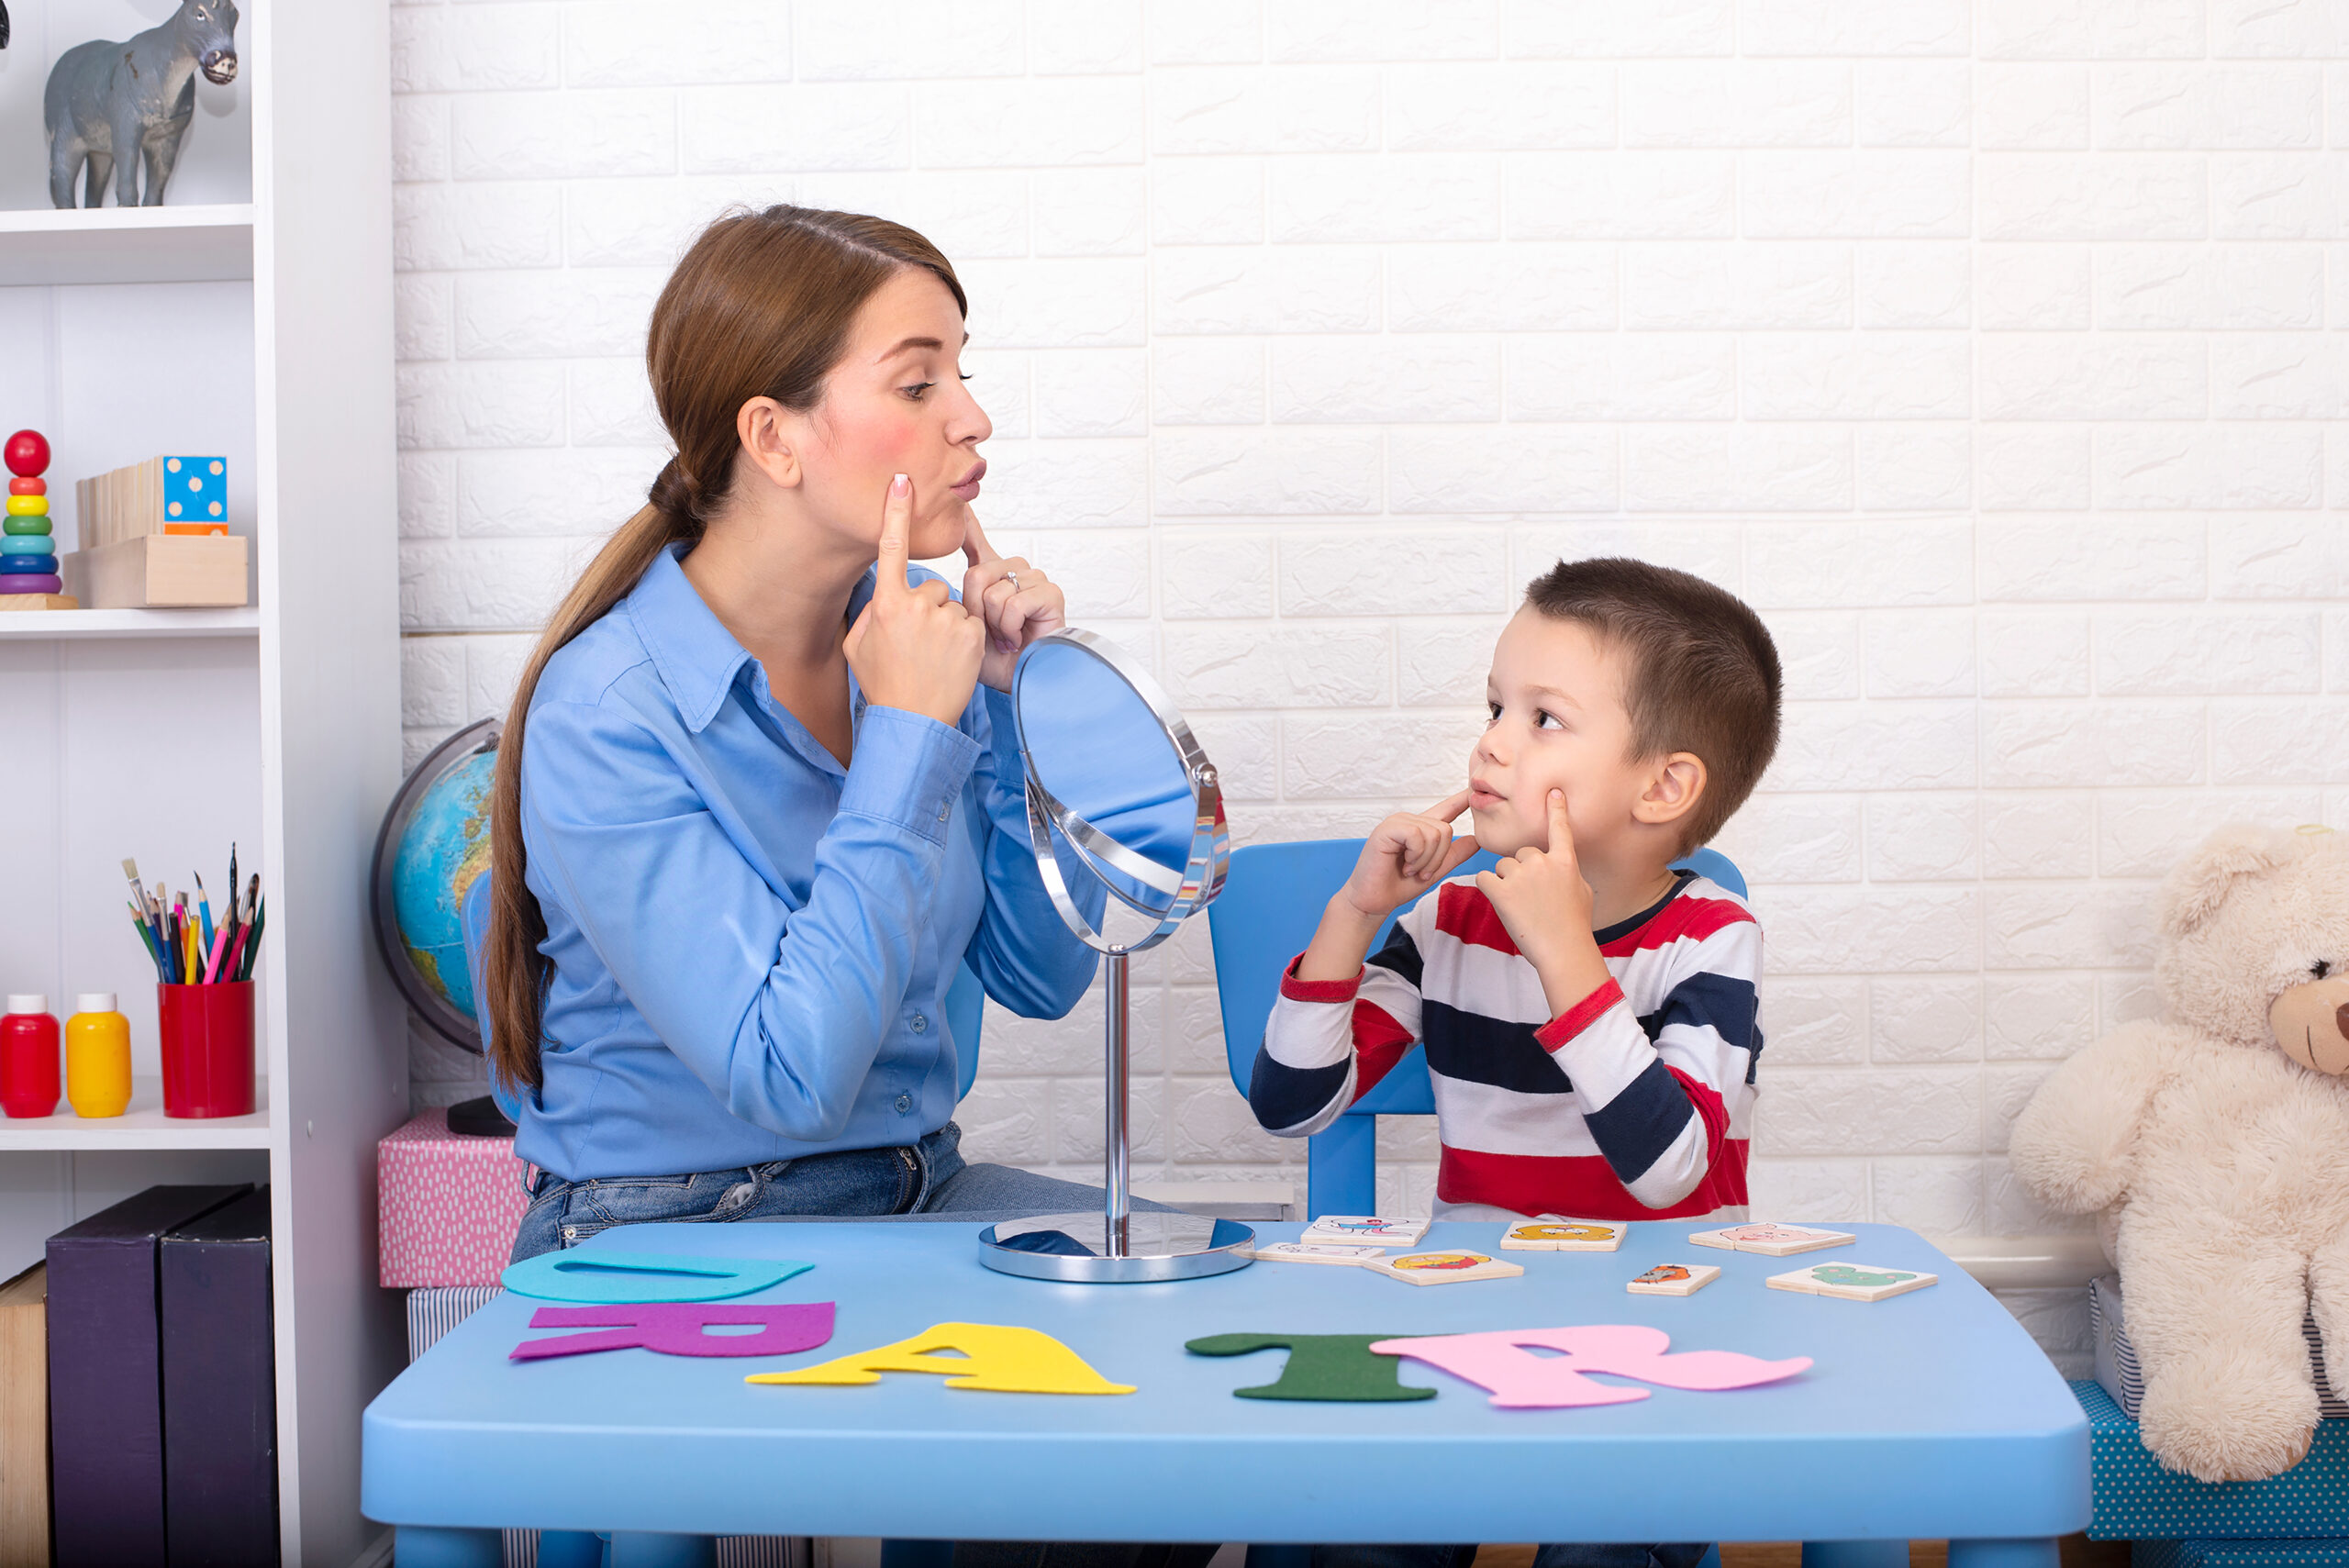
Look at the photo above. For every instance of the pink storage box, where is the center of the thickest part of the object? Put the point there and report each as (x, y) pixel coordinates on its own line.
(448, 1207)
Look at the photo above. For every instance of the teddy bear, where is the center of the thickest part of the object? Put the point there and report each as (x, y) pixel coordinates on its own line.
(2214, 1146)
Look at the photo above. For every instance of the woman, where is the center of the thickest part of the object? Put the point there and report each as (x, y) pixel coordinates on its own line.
(758, 795)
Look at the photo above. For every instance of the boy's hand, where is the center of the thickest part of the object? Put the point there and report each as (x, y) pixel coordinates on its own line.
(1545, 906)
(1405, 855)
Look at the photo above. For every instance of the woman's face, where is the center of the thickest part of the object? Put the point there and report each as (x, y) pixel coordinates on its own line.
(896, 403)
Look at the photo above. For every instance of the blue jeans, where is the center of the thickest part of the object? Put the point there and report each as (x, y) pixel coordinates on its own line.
(1598, 1556)
(924, 1178)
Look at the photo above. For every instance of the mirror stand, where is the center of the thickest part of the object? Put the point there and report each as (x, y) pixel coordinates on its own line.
(1158, 848)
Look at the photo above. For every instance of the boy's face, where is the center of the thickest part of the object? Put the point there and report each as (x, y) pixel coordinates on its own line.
(1558, 722)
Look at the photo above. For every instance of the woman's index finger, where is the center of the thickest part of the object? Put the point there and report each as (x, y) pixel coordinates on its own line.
(896, 530)
(975, 548)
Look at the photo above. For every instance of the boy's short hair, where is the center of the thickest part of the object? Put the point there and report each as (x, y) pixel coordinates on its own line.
(1703, 677)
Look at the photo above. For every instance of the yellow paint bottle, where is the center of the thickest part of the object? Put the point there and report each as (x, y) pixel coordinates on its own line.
(98, 1056)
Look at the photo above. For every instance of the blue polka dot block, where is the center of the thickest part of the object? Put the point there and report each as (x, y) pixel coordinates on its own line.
(2136, 1500)
(195, 490)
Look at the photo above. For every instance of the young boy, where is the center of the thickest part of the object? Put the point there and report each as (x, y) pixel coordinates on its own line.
(1589, 1013)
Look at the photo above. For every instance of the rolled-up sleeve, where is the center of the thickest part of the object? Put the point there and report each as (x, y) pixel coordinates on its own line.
(1023, 952)
(781, 1011)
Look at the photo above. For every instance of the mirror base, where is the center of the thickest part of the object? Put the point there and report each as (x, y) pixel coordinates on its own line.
(1071, 1248)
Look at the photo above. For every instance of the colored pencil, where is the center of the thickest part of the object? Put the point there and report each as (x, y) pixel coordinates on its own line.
(204, 907)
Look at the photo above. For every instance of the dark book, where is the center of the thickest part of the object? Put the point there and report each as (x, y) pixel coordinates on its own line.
(106, 1381)
(219, 1390)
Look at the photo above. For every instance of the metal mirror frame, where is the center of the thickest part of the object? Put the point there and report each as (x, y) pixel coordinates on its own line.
(1210, 1249)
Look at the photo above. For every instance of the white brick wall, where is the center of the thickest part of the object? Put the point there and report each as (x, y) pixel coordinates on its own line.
(1995, 351)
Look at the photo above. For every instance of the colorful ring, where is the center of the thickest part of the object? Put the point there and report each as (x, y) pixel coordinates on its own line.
(27, 544)
(22, 526)
(29, 505)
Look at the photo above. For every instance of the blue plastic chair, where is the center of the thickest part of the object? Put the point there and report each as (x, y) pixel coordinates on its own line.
(965, 1000)
(1267, 914)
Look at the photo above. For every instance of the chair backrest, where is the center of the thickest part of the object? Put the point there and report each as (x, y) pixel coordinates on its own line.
(1272, 900)
(965, 1000)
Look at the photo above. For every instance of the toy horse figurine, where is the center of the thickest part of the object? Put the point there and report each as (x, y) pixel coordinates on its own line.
(115, 105)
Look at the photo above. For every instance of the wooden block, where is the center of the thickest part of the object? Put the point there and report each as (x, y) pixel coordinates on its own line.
(1853, 1281)
(1673, 1279)
(1443, 1268)
(1365, 1229)
(39, 602)
(23, 1417)
(1565, 1235)
(1313, 1252)
(1771, 1241)
(155, 571)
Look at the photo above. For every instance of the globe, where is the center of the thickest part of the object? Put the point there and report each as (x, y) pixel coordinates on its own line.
(433, 846)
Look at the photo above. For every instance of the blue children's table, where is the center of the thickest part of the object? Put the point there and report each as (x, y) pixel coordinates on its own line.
(1930, 1415)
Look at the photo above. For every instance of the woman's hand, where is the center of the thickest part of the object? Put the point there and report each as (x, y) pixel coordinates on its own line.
(913, 648)
(1019, 605)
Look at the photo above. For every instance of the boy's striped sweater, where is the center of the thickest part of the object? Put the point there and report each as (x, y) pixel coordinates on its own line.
(1636, 1103)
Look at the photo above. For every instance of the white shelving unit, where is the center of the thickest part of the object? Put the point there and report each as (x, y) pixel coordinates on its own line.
(252, 319)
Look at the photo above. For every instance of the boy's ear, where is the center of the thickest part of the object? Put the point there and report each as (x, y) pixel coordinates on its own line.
(1673, 790)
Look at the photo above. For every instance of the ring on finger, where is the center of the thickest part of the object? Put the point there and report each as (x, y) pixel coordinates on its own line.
(1012, 578)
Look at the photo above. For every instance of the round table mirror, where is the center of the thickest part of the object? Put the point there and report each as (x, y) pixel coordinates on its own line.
(1125, 818)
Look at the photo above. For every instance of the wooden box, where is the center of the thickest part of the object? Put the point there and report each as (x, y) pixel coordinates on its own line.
(160, 569)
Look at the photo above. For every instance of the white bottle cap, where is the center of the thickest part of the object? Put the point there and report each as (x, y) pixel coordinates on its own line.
(28, 1002)
(94, 1002)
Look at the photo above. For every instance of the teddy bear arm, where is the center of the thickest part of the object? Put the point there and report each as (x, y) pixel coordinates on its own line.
(2074, 1144)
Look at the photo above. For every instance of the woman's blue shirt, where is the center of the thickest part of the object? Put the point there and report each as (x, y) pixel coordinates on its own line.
(752, 945)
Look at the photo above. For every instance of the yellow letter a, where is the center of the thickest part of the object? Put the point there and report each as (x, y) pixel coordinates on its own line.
(995, 1357)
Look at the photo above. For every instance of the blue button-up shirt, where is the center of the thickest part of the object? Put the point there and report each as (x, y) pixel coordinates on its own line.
(752, 945)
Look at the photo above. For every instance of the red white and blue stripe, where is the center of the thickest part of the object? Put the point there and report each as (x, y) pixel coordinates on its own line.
(1636, 1103)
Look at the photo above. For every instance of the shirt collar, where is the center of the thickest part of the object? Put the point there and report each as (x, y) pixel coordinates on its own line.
(697, 657)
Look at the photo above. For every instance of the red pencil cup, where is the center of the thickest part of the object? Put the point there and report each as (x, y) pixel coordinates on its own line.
(207, 1038)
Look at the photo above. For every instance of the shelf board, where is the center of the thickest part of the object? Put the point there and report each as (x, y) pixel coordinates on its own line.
(35, 626)
(127, 245)
(143, 1125)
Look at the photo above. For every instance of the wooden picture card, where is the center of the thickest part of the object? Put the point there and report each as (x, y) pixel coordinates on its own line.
(1772, 1241)
(1673, 1279)
(1366, 1230)
(1443, 1268)
(1565, 1235)
(1853, 1282)
(1316, 1252)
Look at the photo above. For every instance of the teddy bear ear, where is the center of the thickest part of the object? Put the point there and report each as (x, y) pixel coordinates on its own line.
(2204, 880)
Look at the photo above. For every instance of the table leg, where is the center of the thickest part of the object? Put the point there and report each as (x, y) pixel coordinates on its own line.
(642, 1549)
(434, 1546)
(1854, 1554)
(570, 1549)
(2043, 1554)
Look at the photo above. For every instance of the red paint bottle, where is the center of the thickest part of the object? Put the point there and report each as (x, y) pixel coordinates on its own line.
(28, 1057)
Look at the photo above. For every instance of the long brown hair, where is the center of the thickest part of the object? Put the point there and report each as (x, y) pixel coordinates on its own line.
(760, 307)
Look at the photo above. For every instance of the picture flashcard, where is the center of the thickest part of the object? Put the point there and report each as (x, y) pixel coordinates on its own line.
(1673, 1279)
(1316, 1252)
(1365, 1229)
(1445, 1268)
(1565, 1235)
(1770, 1239)
(1853, 1281)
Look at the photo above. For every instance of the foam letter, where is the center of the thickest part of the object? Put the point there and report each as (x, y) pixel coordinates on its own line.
(679, 1328)
(612, 1278)
(1336, 1367)
(1520, 1380)
(993, 1356)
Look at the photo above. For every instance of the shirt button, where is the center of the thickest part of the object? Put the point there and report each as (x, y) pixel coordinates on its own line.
(945, 809)
(905, 1104)
(920, 1023)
